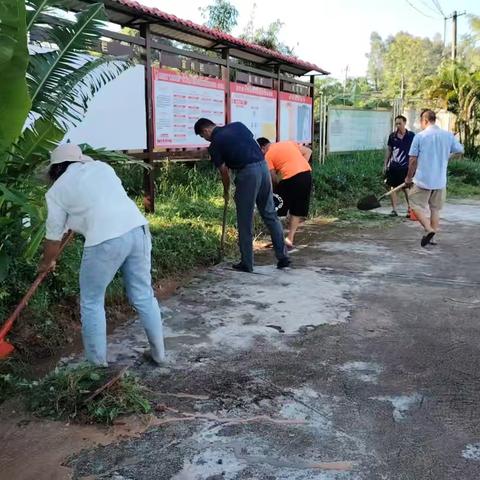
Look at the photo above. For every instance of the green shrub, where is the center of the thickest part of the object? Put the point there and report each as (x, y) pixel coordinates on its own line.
(466, 170)
(343, 179)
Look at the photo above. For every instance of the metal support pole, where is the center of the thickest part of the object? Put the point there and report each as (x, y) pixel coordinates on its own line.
(226, 78)
(312, 94)
(278, 72)
(148, 177)
(320, 127)
(325, 129)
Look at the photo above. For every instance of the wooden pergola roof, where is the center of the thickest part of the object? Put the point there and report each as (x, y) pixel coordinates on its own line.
(133, 14)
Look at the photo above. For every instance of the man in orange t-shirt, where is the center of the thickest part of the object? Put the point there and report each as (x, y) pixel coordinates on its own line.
(289, 166)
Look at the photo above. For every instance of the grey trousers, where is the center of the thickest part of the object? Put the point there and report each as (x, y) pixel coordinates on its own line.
(254, 187)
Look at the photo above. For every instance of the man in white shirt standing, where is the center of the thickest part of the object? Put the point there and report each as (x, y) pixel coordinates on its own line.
(427, 173)
(88, 198)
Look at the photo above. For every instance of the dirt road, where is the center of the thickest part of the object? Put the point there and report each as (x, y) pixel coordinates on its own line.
(361, 362)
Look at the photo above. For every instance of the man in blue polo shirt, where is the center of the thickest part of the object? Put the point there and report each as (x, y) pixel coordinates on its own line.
(233, 147)
(396, 159)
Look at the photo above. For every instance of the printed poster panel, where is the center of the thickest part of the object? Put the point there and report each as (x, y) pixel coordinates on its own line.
(179, 100)
(255, 107)
(295, 117)
(352, 130)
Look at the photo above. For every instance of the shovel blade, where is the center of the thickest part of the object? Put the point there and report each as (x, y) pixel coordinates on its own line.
(6, 349)
(369, 202)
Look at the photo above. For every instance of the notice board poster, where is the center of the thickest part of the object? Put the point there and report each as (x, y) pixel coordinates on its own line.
(255, 107)
(295, 117)
(179, 100)
(350, 130)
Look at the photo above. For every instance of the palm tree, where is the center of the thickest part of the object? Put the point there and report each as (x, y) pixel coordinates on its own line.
(48, 75)
(459, 87)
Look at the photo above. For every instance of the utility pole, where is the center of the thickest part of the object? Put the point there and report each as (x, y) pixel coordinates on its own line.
(454, 35)
(444, 32)
(345, 85)
(454, 16)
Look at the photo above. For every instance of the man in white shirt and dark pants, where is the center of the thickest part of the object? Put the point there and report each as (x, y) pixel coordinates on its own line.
(427, 173)
(88, 198)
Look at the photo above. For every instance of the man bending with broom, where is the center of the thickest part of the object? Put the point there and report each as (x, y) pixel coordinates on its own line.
(233, 147)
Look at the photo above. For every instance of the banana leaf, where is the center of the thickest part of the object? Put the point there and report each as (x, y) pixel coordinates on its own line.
(14, 99)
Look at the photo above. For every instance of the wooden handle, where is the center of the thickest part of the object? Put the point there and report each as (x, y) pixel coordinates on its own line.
(393, 190)
(224, 225)
(24, 301)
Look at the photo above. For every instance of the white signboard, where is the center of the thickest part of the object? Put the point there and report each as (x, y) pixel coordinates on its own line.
(115, 117)
(295, 118)
(255, 107)
(179, 100)
(352, 130)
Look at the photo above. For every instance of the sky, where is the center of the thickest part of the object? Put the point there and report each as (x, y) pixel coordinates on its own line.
(335, 34)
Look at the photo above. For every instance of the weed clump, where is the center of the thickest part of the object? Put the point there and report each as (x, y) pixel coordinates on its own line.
(68, 394)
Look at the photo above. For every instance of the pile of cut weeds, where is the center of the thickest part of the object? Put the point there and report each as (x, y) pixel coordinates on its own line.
(78, 394)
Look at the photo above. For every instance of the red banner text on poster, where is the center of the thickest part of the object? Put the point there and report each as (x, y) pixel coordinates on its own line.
(292, 97)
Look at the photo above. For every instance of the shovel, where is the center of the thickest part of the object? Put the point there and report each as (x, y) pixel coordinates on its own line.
(7, 348)
(371, 201)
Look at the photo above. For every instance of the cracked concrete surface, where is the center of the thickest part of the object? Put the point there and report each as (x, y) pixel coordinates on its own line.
(360, 363)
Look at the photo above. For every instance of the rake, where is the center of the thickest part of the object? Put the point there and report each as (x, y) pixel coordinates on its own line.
(7, 348)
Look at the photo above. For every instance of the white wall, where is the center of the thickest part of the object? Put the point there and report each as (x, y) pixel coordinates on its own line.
(445, 119)
(116, 116)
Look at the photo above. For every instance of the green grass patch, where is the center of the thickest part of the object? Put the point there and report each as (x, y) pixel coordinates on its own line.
(343, 179)
(464, 178)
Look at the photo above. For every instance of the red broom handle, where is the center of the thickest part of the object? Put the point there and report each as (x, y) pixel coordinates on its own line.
(24, 301)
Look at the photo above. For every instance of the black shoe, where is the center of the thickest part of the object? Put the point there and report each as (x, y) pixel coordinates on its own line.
(284, 263)
(427, 239)
(394, 213)
(241, 267)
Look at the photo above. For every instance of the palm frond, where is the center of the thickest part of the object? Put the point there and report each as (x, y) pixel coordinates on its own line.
(37, 8)
(71, 41)
(38, 140)
(110, 156)
(32, 148)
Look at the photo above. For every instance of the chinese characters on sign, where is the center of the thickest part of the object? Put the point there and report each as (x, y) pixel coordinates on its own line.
(256, 107)
(179, 100)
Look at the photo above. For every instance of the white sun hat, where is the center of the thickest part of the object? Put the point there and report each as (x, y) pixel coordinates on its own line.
(68, 152)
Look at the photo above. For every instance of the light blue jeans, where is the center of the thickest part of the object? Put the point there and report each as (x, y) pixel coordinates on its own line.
(130, 253)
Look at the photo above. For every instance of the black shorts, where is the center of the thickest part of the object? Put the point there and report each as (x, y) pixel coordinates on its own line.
(295, 192)
(395, 176)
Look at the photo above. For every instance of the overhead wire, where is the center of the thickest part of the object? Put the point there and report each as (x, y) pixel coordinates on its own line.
(433, 9)
(418, 10)
(438, 6)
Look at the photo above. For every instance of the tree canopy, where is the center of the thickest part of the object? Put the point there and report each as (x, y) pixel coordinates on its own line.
(221, 15)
